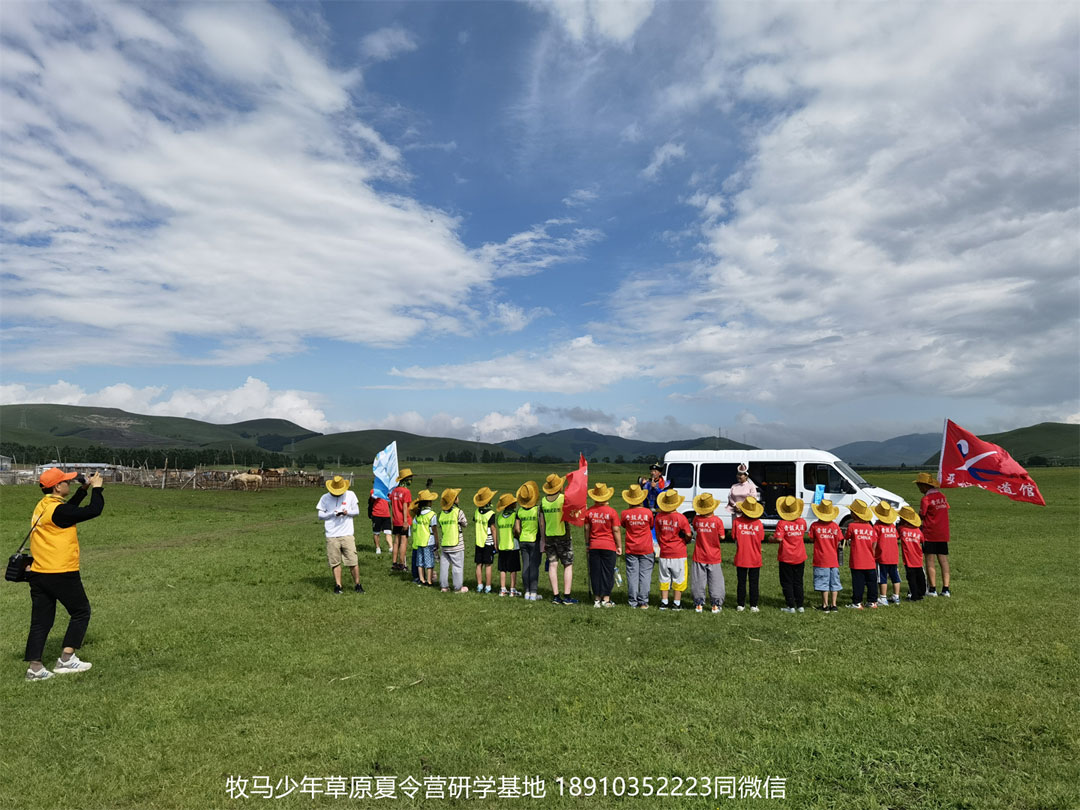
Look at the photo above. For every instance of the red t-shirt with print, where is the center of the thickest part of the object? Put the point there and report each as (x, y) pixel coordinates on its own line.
(862, 537)
(911, 539)
(747, 535)
(710, 531)
(601, 521)
(887, 552)
(934, 511)
(668, 525)
(637, 522)
(381, 507)
(827, 538)
(789, 534)
(400, 498)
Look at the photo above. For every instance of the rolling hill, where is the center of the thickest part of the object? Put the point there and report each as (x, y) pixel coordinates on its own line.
(911, 450)
(566, 444)
(366, 443)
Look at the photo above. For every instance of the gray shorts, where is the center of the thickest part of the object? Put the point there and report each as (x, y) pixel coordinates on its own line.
(673, 572)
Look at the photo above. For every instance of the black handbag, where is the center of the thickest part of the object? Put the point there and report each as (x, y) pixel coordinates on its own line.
(18, 563)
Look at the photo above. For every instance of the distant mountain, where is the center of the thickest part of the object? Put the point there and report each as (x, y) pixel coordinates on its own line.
(911, 450)
(366, 443)
(1046, 442)
(567, 444)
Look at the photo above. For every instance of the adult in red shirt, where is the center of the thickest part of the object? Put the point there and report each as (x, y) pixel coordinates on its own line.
(934, 511)
(747, 532)
(672, 533)
(827, 537)
(862, 536)
(603, 539)
(887, 553)
(637, 525)
(400, 499)
(911, 541)
(705, 570)
(790, 533)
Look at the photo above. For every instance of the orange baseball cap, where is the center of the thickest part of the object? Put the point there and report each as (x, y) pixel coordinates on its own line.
(53, 476)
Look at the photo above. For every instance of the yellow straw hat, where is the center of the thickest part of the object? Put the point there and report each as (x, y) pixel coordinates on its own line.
(635, 495)
(789, 507)
(337, 485)
(601, 493)
(553, 484)
(505, 501)
(909, 515)
(885, 513)
(750, 507)
(404, 474)
(705, 503)
(860, 510)
(448, 497)
(669, 500)
(528, 494)
(427, 495)
(926, 478)
(825, 510)
(483, 496)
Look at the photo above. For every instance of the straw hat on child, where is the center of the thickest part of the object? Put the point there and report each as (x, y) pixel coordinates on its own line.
(705, 504)
(750, 507)
(528, 495)
(336, 485)
(669, 500)
(909, 515)
(885, 513)
(553, 484)
(825, 511)
(505, 502)
(789, 507)
(860, 510)
(483, 496)
(601, 493)
(635, 495)
(448, 497)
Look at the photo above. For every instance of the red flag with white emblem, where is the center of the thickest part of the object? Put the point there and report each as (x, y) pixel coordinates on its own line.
(968, 461)
(577, 484)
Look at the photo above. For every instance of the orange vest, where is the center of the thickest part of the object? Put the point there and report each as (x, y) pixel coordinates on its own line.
(54, 550)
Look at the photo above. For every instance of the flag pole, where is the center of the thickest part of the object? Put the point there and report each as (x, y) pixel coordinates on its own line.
(941, 455)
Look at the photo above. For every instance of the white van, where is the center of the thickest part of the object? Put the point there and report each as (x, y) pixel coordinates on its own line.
(776, 473)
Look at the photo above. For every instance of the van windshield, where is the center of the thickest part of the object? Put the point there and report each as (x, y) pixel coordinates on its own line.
(853, 476)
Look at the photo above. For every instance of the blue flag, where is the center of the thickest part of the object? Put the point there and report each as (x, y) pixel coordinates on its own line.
(819, 493)
(385, 468)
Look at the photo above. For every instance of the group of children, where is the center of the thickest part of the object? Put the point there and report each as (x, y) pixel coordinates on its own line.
(516, 530)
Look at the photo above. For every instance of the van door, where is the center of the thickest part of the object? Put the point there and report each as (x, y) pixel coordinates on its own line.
(837, 488)
(774, 479)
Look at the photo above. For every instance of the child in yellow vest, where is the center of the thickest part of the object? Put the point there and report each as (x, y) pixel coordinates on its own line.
(527, 531)
(509, 555)
(452, 525)
(484, 526)
(425, 534)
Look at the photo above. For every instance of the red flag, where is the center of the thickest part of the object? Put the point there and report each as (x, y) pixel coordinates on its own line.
(968, 461)
(577, 484)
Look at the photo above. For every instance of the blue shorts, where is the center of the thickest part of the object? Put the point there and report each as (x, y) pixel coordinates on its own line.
(826, 579)
(887, 572)
(424, 556)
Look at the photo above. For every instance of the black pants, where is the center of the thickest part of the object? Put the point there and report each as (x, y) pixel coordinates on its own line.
(791, 582)
(601, 571)
(860, 577)
(754, 574)
(45, 591)
(916, 579)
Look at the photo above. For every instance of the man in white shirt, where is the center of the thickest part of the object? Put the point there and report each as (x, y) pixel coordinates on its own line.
(337, 508)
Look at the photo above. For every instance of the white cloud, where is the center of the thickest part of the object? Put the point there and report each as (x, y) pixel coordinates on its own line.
(613, 20)
(252, 400)
(500, 427)
(541, 246)
(662, 156)
(580, 197)
(386, 43)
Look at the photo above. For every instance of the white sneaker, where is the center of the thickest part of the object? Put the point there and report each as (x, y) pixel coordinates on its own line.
(487, 589)
(596, 603)
(479, 588)
(801, 610)
(378, 550)
(41, 675)
(699, 609)
(787, 610)
(716, 608)
(607, 604)
(73, 664)
(883, 600)
(740, 608)
(755, 610)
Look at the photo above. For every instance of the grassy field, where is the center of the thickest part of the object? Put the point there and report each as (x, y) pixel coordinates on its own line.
(219, 651)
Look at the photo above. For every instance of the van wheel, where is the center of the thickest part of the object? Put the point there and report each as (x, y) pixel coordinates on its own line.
(844, 523)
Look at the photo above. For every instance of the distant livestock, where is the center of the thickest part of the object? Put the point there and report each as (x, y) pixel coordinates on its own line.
(247, 481)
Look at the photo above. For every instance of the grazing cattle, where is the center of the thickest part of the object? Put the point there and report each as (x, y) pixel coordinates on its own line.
(247, 481)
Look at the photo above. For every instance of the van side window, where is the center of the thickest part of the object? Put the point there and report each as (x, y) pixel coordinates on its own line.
(814, 474)
(717, 476)
(680, 475)
(774, 479)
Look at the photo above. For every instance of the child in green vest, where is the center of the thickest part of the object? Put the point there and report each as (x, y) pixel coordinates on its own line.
(557, 540)
(484, 526)
(452, 525)
(425, 534)
(527, 531)
(509, 555)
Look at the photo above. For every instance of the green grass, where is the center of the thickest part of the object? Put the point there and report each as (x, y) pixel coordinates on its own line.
(218, 649)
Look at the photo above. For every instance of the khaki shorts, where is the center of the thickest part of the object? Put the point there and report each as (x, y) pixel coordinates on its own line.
(341, 550)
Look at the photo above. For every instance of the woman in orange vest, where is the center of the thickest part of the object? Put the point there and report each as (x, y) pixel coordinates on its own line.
(54, 574)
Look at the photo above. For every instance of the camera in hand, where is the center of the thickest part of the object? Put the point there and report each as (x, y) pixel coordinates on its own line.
(81, 479)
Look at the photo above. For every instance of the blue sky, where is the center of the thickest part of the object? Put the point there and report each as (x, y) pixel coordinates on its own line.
(799, 224)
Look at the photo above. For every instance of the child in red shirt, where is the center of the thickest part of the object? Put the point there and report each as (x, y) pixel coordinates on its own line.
(747, 532)
(603, 539)
(673, 533)
(862, 537)
(911, 541)
(887, 553)
(827, 537)
(637, 525)
(789, 533)
(706, 569)
(934, 511)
